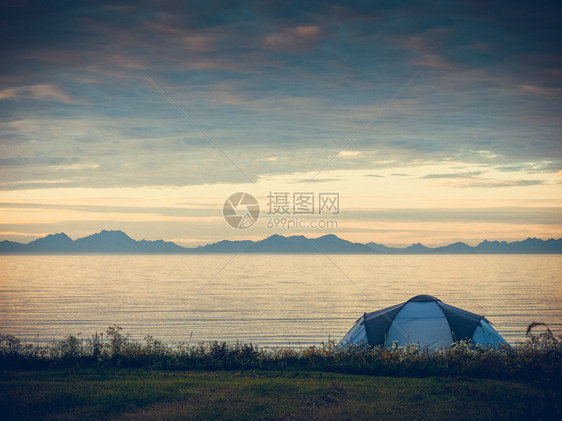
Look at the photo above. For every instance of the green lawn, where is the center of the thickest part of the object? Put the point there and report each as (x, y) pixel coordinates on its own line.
(140, 394)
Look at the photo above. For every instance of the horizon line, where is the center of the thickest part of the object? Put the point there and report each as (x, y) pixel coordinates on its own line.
(285, 236)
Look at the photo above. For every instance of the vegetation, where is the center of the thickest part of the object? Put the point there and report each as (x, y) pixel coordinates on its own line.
(109, 375)
(155, 394)
(538, 359)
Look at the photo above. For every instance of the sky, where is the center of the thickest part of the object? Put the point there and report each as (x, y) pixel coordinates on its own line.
(431, 123)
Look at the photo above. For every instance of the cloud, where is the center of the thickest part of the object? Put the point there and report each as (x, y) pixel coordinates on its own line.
(350, 154)
(32, 184)
(75, 167)
(513, 214)
(426, 55)
(274, 80)
(454, 175)
(298, 38)
(316, 180)
(37, 92)
(281, 87)
(527, 167)
(23, 234)
(501, 183)
(541, 90)
(31, 161)
(200, 43)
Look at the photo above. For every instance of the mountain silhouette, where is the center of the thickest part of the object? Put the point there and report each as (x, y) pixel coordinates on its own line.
(456, 248)
(59, 241)
(117, 242)
(294, 244)
(112, 242)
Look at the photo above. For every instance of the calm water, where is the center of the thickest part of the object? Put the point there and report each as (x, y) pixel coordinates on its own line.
(264, 299)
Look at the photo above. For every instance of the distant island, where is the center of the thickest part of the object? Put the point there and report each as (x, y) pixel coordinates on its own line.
(117, 242)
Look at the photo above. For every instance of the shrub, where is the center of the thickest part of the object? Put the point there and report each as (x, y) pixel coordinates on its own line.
(538, 359)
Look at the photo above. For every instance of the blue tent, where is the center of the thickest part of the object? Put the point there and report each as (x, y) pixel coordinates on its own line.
(423, 320)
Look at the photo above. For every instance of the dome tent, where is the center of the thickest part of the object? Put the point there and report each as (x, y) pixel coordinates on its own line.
(422, 320)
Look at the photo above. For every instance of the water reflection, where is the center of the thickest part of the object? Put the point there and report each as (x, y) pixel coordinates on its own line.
(264, 299)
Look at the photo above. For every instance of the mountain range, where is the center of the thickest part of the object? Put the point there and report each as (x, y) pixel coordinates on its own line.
(117, 242)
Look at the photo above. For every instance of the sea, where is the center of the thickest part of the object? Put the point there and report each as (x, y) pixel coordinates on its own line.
(267, 300)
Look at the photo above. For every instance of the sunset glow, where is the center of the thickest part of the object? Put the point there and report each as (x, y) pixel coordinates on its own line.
(430, 129)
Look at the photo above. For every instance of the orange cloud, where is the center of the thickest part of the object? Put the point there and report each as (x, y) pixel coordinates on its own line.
(427, 55)
(47, 92)
(539, 90)
(295, 38)
(199, 43)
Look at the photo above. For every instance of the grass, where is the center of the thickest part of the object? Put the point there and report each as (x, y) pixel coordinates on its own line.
(537, 360)
(141, 394)
(112, 377)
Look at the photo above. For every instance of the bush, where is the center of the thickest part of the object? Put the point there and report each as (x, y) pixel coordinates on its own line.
(538, 359)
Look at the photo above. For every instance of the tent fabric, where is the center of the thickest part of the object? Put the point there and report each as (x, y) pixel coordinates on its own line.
(423, 320)
(463, 323)
(485, 333)
(378, 322)
(358, 334)
(420, 323)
